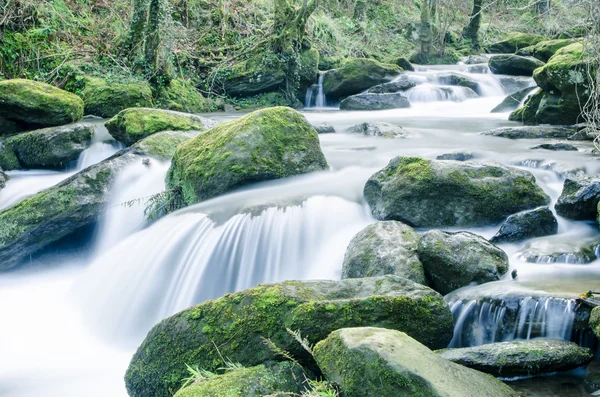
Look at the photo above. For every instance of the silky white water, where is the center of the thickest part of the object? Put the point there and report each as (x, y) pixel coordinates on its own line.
(72, 319)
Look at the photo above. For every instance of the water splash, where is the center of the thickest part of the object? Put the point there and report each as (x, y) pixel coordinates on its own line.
(434, 93)
(316, 91)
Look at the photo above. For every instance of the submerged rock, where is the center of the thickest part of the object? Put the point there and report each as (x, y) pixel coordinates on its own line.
(579, 198)
(267, 144)
(559, 146)
(356, 75)
(403, 83)
(553, 251)
(459, 80)
(132, 125)
(237, 324)
(525, 225)
(533, 132)
(385, 130)
(38, 104)
(324, 128)
(384, 248)
(512, 101)
(514, 65)
(52, 147)
(513, 84)
(382, 362)
(375, 102)
(455, 260)
(545, 49)
(276, 379)
(440, 193)
(457, 156)
(513, 42)
(521, 358)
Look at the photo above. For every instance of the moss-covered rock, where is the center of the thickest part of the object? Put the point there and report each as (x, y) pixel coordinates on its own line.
(256, 75)
(3, 179)
(375, 102)
(131, 125)
(442, 193)
(579, 198)
(533, 132)
(521, 358)
(38, 104)
(181, 95)
(525, 225)
(162, 145)
(595, 321)
(382, 362)
(513, 42)
(460, 80)
(263, 145)
(545, 49)
(308, 69)
(527, 113)
(455, 260)
(514, 65)
(234, 326)
(52, 147)
(106, 99)
(8, 127)
(277, 379)
(402, 83)
(592, 376)
(404, 63)
(384, 248)
(356, 75)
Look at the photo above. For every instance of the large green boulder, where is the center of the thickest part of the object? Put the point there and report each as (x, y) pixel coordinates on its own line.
(595, 321)
(132, 125)
(368, 362)
(106, 99)
(162, 145)
(455, 260)
(384, 248)
(264, 145)
(545, 49)
(38, 104)
(356, 75)
(521, 358)
(235, 325)
(579, 198)
(514, 65)
(181, 95)
(52, 147)
(444, 193)
(277, 379)
(513, 42)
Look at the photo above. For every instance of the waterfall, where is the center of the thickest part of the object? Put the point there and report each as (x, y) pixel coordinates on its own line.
(319, 99)
(433, 93)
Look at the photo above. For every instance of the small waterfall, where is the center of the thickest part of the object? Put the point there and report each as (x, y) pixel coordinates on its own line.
(481, 322)
(316, 91)
(433, 93)
(102, 147)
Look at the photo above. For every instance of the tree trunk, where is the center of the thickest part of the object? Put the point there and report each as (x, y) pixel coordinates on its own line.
(471, 32)
(156, 14)
(543, 7)
(137, 27)
(425, 34)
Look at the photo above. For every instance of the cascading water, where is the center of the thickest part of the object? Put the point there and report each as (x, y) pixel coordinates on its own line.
(316, 91)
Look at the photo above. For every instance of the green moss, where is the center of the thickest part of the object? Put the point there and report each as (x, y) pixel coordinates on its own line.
(182, 96)
(515, 41)
(356, 75)
(544, 50)
(595, 321)
(161, 145)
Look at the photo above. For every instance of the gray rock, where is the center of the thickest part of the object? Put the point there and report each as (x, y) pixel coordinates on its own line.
(562, 170)
(514, 65)
(403, 83)
(440, 193)
(404, 64)
(476, 59)
(325, 128)
(457, 156)
(512, 102)
(513, 84)
(3, 179)
(460, 80)
(384, 248)
(375, 102)
(357, 75)
(521, 358)
(579, 198)
(560, 146)
(525, 225)
(382, 362)
(455, 260)
(533, 132)
(385, 130)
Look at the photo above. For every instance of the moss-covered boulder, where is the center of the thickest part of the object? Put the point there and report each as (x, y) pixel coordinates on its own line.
(356, 75)
(533, 132)
(512, 101)
(403, 83)
(106, 99)
(514, 65)
(538, 222)
(384, 248)
(404, 63)
(545, 49)
(521, 358)
(459, 80)
(275, 379)
(256, 75)
(162, 145)
(234, 326)
(263, 145)
(443, 193)
(181, 95)
(595, 321)
(52, 147)
(131, 125)
(382, 362)
(579, 198)
(38, 104)
(455, 260)
(514, 41)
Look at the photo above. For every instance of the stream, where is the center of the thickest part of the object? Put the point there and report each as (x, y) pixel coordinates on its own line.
(74, 316)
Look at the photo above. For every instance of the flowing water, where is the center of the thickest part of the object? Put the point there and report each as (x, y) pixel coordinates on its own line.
(73, 317)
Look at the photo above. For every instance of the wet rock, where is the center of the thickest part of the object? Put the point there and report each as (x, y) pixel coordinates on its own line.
(237, 324)
(514, 65)
(562, 170)
(384, 248)
(513, 84)
(324, 128)
(592, 376)
(595, 321)
(553, 251)
(533, 132)
(182, 96)
(404, 64)
(162, 145)
(385, 130)
(579, 198)
(356, 75)
(521, 358)
(38, 104)
(3, 179)
(358, 359)
(560, 146)
(455, 260)
(375, 102)
(275, 379)
(403, 83)
(525, 225)
(132, 125)
(459, 80)
(457, 156)
(440, 193)
(264, 145)
(513, 42)
(512, 101)
(52, 147)
(544, 50)
(8, 127)
(476, 59)
(481, 69)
